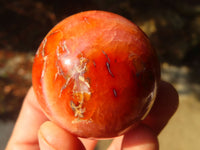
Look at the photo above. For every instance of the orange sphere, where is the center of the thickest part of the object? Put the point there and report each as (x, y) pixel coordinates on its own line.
(95, 74)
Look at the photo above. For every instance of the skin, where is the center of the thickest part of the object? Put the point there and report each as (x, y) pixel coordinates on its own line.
(34, 131)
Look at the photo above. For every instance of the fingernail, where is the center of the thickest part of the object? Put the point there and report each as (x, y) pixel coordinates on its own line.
(43, 143)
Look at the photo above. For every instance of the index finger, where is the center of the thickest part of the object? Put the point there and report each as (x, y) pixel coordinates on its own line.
(165, 106)
(31, 117)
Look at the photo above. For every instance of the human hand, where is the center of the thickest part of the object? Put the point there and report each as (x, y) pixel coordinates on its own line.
(33, 131)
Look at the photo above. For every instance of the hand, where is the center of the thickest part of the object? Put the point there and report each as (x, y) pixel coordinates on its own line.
(33, 126)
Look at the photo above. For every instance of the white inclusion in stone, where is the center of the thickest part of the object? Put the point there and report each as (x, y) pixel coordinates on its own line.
(67, 62)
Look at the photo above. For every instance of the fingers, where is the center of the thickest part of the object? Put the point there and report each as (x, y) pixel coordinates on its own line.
(140, 138)
(164, 107)
(52, 137)
(24, 135)
(144, 137)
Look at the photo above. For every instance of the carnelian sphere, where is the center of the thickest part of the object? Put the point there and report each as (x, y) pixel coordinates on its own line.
(95, 74)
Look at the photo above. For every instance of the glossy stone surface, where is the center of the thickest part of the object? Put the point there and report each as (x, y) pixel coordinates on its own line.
(96, 74)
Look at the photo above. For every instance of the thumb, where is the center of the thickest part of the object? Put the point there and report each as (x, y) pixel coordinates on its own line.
(52, 137)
